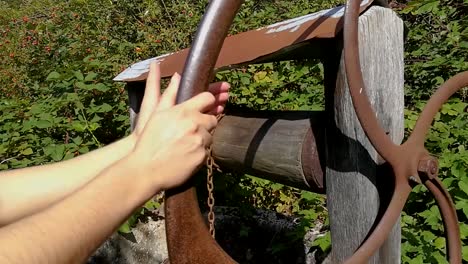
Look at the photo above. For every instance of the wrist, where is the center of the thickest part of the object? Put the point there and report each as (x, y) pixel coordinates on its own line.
(129, 143)
(134, 171)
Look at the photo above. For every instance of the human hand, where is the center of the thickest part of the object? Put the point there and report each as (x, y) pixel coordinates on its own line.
(152, 96)
(172, 139)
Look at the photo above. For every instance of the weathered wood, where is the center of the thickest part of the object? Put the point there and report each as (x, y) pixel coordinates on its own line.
(279, 146)
(356, 183)
(136, 91)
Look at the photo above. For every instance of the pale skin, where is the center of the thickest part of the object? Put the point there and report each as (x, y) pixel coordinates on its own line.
(62, 212)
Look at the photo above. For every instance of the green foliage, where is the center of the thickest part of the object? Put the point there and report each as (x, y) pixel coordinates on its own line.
(277, 86)
(436, 50)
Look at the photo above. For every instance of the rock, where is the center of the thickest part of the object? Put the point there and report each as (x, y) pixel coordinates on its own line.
(146, 244)
(258, 236)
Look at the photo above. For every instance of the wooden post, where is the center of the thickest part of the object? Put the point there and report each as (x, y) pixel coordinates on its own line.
(136, 91)
(355, 182)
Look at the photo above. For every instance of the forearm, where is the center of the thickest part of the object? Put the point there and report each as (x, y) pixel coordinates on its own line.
(29, 190)
(71, 230)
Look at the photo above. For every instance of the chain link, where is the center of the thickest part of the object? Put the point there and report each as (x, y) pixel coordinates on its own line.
(210, 164)
(210, 187)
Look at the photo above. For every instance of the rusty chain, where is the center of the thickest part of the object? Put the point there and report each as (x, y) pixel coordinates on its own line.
(210, 187)
(210, 164)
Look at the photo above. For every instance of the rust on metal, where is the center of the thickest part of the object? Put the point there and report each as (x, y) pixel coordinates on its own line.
(407, 160)
(188, 238)
(254, 46)
(313, 173)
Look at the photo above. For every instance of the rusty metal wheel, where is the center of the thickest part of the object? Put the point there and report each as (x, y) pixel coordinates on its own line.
(411, 162)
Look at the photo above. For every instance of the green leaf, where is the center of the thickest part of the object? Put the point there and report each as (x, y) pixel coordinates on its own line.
(259, 101)
(78, 126)
(79, 75)
(260, 75)
(439, 243)
(93, 126)
(83, 150)
(57, 152)
(53, 76)
(81, 85)
(125, 228)
(308, 196)
(77, 140)
(104, 108)
(465, 253)
(276, 186)
(245, 80)
(463, 186)
(463, 230)
(458, 170)
(151, 205)
(43, 124)
(101, 87)
(90, 76)
(27, 151)
(463, 205)
(323, 242)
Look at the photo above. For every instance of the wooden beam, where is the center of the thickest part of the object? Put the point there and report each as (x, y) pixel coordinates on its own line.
(357, 183)
(284, 147)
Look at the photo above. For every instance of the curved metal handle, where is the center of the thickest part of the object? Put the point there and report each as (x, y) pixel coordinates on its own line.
(449, 217)
(365, 113)
(445, 91)
(181, 207)
(383, 228)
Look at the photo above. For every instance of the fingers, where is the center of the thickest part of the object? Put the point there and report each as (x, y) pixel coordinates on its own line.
(211, 102)
(221, 92)
(207, 103)
(202, 102)
(152, 90)
(151, 97)
(168, 99)
(216, 110)
(207, 137)
(219, 87)
(207, 122)
(220, 102)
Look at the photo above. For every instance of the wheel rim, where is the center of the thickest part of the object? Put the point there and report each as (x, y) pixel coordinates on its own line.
(181, 207)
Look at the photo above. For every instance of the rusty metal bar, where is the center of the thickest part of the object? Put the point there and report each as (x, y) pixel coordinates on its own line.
(181, 206)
